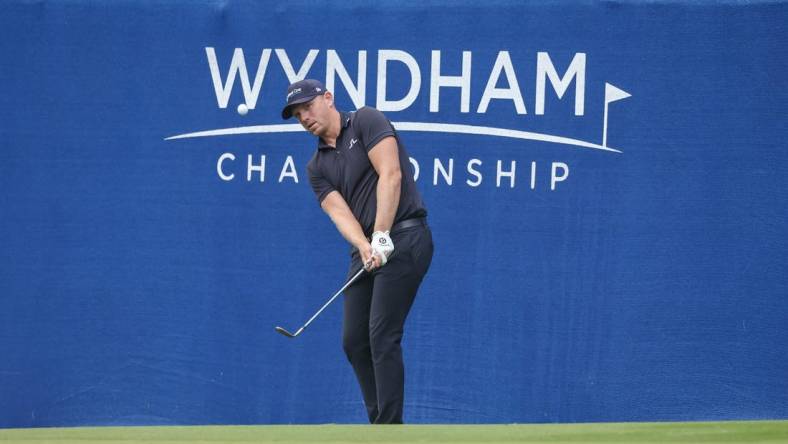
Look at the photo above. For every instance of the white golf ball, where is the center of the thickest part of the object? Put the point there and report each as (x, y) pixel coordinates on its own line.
(243, 109)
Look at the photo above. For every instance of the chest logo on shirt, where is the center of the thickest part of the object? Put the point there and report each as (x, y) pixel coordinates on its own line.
(352, 142)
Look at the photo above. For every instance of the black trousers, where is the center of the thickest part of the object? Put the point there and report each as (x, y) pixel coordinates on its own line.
(374, 317)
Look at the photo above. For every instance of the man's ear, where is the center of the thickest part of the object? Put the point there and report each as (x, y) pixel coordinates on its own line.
(329, 98)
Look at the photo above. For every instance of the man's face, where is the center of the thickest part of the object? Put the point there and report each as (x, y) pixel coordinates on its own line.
(314, 115)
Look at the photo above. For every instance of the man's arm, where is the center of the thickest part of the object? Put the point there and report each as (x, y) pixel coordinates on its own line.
(338, 210)
(384, 157)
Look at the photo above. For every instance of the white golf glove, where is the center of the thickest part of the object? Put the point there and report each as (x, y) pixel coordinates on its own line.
(382, 246)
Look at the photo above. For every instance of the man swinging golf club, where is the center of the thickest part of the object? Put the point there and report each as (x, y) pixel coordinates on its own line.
(360, 175)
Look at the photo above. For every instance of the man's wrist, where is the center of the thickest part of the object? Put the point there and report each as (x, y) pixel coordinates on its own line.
(361, 243)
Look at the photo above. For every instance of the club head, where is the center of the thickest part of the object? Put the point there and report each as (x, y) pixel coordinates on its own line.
(285, 332)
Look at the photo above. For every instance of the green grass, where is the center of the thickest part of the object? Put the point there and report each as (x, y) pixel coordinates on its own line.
(684, 432)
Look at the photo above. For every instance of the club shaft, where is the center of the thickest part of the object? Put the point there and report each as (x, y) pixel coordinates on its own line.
(353, 279)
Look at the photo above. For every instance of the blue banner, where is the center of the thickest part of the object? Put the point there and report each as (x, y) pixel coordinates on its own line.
(606, 185)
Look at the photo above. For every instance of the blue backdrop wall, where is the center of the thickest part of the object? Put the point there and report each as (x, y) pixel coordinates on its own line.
(606, 184)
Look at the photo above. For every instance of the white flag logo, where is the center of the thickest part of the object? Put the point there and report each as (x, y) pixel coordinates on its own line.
(611, 95)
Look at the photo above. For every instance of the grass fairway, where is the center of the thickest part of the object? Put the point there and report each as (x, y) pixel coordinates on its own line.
(685, 432)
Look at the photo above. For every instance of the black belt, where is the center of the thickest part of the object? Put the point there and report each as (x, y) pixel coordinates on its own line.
(409, 223)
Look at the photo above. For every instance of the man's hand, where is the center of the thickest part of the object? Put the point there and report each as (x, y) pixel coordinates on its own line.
(369, 259)
(376, 254)
(382, 246)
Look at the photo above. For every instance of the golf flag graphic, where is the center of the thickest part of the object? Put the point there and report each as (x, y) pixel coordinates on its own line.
(611, 95)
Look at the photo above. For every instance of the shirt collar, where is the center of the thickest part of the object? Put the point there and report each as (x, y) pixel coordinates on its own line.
(344, 120)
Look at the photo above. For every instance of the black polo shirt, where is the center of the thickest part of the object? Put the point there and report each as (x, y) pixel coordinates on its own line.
(347, 168)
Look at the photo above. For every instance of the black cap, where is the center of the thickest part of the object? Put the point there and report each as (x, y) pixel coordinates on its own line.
(300, 92)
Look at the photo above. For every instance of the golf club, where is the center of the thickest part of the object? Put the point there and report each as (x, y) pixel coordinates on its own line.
(298, 332)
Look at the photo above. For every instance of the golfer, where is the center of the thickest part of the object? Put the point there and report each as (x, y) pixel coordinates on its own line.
(360, 174)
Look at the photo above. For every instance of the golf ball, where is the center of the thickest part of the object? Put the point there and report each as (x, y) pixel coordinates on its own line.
(243, 109)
